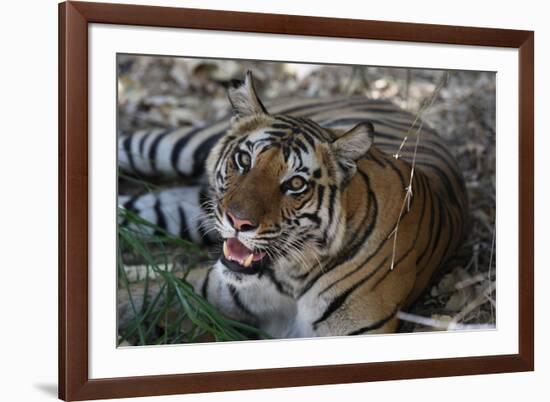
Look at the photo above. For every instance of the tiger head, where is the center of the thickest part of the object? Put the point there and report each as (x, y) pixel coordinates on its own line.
(277, 184)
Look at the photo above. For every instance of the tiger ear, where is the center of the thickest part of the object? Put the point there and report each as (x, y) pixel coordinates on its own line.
(352, 146)
(355, 143)
(243, 97)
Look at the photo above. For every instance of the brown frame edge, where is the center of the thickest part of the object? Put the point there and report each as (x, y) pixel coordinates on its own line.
(74, 17)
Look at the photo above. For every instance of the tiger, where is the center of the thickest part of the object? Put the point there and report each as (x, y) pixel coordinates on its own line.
(331, 216)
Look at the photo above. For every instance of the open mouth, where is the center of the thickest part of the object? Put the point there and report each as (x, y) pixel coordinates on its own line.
(239, 258)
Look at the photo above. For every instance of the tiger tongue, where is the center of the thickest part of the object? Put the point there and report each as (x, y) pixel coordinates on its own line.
(236, 250)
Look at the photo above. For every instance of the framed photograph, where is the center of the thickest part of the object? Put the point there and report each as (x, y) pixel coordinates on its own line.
(260, 200)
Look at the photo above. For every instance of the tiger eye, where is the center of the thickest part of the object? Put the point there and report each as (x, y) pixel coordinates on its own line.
(296, 183)
(243, 160)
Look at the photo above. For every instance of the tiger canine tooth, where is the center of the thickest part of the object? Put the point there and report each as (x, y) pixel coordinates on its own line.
(248, 260)
(225, 250)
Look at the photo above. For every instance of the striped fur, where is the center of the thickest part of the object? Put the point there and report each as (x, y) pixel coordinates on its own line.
(176, 210)
(181, 153)
(337, 266)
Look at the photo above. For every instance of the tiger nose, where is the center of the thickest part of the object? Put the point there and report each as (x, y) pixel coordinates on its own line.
(240, 224)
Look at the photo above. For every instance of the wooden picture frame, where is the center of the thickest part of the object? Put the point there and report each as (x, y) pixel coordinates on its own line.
(74, 381)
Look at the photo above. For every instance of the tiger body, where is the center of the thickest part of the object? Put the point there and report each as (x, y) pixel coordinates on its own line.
(324, 232)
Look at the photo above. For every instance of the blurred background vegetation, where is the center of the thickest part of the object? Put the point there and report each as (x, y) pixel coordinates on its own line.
(157, 306)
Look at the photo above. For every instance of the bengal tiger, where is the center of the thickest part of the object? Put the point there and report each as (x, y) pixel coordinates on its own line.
(333, 217)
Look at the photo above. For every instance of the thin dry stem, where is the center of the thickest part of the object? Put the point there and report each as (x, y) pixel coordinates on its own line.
(470, 281)
(409, 189)
(397, 154)
(478, 301)
(440, 324)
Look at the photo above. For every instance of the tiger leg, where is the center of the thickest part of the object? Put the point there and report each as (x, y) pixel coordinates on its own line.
(249, 298)
(205, 280)
(180, 211)
(226, 297)
(371, 308)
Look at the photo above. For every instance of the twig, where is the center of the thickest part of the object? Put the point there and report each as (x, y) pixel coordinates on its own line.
(470, 281)
(409, 188)
(397, 154)
(449, 326)
(478, 301)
